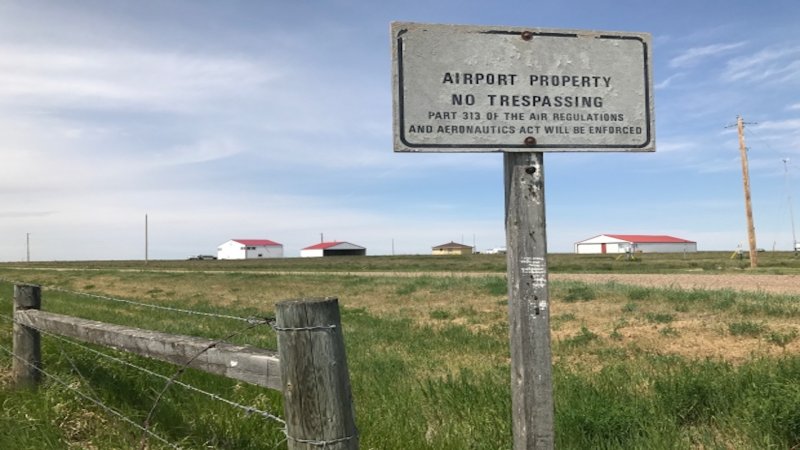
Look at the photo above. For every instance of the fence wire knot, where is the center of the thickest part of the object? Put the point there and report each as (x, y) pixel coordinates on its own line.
(261, 320)
(314, 328)
(316, 443)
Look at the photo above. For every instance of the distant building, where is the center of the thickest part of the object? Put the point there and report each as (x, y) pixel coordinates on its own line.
(623, 243)
(249, 249)
(452, 248)
(335, 248)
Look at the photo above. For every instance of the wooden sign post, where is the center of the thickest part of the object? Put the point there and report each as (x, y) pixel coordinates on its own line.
(522, 92)
(528, 301)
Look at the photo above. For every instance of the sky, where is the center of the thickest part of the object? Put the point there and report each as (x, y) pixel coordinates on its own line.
(273, 120)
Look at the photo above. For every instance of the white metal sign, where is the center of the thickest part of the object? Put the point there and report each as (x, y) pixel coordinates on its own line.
(489, 89)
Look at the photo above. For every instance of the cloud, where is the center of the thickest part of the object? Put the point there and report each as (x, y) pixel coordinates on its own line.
(769, 64)
(24, 214)
(56, 76)
(666, 83)
(693, 55)
(781, 125)
(198, 152)
(676, 146)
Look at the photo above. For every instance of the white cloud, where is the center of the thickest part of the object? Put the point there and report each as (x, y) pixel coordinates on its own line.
(676, 146)
(768, 64)
(782, 125)
(199, 152)
(693, 55)
(668, 81)
(62, 76)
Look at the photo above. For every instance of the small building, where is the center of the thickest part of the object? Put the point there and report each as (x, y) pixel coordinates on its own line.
(452, 248)
(249, 249)
(633, 243)
(335, 248)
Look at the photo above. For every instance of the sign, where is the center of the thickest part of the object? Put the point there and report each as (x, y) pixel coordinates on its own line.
(507, 89)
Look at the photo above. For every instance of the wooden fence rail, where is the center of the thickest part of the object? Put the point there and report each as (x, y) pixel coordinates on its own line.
(310, 367)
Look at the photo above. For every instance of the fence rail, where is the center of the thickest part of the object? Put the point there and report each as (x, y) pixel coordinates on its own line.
(310, 367)
(249, 364)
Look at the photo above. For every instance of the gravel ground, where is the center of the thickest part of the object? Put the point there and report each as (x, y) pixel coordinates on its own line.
(774, 284)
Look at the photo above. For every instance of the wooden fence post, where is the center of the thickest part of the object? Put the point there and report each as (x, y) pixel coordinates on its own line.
(318, 402)
(27, 341)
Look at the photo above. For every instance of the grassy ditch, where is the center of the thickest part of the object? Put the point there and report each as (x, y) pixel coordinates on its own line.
(634, 367)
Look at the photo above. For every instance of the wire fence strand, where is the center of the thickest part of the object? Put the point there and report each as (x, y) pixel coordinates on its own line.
(98, 403)
(249, 410)
(251, 320)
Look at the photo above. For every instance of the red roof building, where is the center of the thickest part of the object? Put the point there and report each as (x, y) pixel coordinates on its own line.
(643, 243)
(249, 249)
(256, 242)
(335, 248)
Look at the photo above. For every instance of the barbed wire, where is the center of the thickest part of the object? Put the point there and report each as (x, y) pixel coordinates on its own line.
(250, 320)
(180, 371)
(98, 403)
(247, 409)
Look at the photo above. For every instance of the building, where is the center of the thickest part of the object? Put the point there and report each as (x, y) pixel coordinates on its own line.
(452, 248)
(623, 243)
(335, 248)
(249, 249)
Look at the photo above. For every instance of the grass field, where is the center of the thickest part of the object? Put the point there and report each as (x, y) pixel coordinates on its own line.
(634, 367)
(769, 262)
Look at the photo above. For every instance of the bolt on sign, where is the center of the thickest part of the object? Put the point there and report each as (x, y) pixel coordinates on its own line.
(490, 89)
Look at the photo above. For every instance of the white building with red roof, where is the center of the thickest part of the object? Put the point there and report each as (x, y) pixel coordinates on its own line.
(249, 249)
(645, 243)
(335, 248)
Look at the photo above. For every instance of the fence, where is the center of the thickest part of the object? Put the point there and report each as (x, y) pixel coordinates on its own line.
(309, 368)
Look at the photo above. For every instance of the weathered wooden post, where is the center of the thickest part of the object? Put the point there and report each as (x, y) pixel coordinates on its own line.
(27, 341)
(318, 402)
(528, 302)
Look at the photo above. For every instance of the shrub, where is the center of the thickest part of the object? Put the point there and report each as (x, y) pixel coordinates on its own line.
(582, 338)
(580, 292)
(782, 339)
(746, 328)
(659, 317)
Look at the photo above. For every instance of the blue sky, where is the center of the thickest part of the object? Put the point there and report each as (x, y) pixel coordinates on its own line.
(266, 119)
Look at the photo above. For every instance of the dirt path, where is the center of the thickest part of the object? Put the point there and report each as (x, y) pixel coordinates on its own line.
(774, 284)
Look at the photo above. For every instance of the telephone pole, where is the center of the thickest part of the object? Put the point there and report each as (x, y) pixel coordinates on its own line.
(748, 206)
(146, 241)
(789, 197)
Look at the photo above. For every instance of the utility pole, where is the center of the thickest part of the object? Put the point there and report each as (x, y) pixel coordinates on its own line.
(28, 247)
(748, 206)
(789, 196)
(146, 240)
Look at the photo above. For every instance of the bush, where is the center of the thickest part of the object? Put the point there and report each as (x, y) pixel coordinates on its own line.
(579, 292)
(746, 328)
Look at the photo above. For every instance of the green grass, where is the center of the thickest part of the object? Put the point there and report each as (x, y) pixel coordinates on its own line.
(579, 292)
(432, 380)
(747, 328)
(713, 262)
(659, 317)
